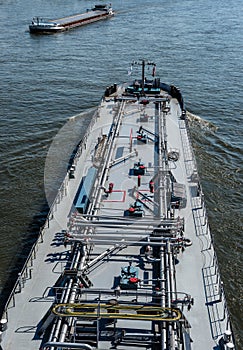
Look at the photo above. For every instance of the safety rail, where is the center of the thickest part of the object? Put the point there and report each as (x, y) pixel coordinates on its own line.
(26, 271)
(200, 214)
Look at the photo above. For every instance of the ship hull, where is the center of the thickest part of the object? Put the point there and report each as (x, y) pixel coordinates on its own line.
(126, 256)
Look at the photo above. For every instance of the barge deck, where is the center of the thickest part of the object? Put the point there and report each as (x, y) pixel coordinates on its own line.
(126, 257)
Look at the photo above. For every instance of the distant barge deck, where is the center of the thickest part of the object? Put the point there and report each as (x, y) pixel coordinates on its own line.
(43, 26)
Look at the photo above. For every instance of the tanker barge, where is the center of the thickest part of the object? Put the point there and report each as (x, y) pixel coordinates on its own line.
(126, 258)
(42, 26)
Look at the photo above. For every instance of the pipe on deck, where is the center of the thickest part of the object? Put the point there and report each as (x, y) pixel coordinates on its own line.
(67, 345)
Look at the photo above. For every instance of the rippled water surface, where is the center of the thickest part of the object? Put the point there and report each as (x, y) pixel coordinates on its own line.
(46, 80)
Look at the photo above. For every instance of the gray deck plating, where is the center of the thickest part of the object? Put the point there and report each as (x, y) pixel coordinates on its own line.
(102, 246)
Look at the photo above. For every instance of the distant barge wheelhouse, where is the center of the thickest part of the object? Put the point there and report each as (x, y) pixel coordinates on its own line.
(45, 26)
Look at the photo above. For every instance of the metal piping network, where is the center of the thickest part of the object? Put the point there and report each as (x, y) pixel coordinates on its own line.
(75, 262)
(106, 164)
(163, 291)
(164, 265)
(77, 258)
(59, 323)
(120, 219)
(70, 295)
(59, 333)
(61, 345)
(143, 226)
(162, 178)
(126, 242)
(171, 339)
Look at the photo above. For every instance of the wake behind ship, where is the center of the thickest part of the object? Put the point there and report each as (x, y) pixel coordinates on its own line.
(126, 258)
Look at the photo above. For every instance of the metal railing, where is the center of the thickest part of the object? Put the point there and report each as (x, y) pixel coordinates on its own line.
(26, 271)
(200, 215)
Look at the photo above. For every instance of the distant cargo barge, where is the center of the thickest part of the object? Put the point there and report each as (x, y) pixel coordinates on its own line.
(41, 26)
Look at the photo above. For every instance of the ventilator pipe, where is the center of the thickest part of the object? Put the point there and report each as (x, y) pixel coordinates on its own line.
(173, 281)
(128, 234)
(87, 241)
(75, 262)
(64, 329)
(99, 257)
(75, 258)
(163, 296)
(168, 272)
(62, 334)
(82, 262)
(115, 221)
(64, 299)
(122, 241)
(99, 292)
(55, 322)
(149, 335)
(61, 345)
(68, 290)
(56, 327)
(131, 225)
(155, 221)
(73, 293)
(110, 144)
(55, 331)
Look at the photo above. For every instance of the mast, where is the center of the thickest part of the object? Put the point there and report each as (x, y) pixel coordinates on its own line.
(143, 63)
(143, 76)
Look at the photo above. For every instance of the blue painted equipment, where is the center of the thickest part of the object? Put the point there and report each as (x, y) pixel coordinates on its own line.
(129, 277)
(83, 199)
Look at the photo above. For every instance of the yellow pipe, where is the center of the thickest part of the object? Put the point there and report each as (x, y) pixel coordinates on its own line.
(149, 313)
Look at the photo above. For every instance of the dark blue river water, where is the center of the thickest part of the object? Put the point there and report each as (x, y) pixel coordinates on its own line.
(46, 80)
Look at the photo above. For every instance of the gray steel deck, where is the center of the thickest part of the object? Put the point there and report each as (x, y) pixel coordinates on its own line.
(112, 240)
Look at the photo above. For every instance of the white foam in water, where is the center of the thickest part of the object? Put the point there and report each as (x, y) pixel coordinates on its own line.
(193, 118)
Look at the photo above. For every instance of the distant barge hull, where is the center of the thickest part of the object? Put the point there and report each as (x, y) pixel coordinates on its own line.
(41, 26)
